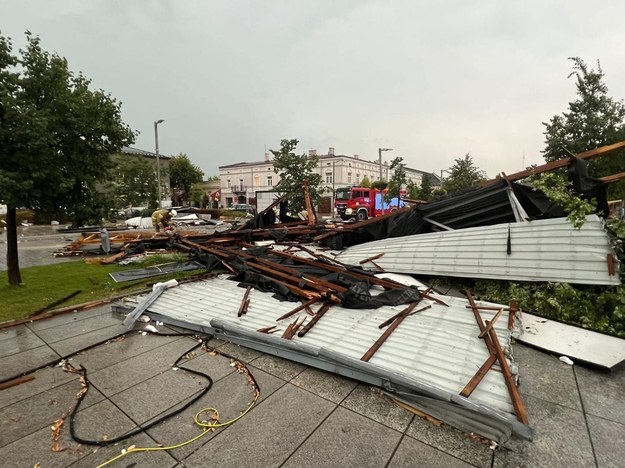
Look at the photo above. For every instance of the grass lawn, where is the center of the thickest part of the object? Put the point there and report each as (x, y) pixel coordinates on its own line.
(43, 285)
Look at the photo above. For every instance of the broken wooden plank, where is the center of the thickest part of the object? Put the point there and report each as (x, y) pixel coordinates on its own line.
(297, 309)
(320, 313)
(491, 323)
(245, 302)
(17, 381)
(370, 259)
(380, 341)
(515, 396)
(479, 375)
(550, 166)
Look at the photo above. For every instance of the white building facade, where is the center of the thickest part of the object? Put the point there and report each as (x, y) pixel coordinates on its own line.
(240, 182)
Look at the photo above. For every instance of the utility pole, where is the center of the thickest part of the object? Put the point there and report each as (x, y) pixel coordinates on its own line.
(380, 156)
(158, 163)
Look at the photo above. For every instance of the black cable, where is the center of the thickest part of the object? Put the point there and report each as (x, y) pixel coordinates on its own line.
(83, 373)
(87, 348)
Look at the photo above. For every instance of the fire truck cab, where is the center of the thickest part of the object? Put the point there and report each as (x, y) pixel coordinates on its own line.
(363, 202)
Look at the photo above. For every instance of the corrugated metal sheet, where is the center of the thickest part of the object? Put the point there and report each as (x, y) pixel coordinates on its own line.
(545, 250)
(437, 348)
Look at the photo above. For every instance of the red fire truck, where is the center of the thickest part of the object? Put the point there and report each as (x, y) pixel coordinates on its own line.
(362, 203)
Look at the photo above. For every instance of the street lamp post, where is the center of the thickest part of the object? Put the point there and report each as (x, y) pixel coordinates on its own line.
(158, 162)
(380, 155)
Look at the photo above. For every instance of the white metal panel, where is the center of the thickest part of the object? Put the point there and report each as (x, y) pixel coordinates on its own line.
(545, 250)
(574, 342)
(437, 347)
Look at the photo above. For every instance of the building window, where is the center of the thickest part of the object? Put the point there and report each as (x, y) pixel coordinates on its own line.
(349, 177)
(358, 178)
(269, 181)
(328, 177)
(228, 182)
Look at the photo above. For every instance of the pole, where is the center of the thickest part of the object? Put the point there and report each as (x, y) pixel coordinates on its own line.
(380, 155)
(158, 163)
(333, 193)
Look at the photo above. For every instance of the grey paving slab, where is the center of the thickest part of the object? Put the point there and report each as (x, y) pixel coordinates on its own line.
(369, 402)
(74, 328)
(332, 387)
(229, 396)
(45, 379)
(561, 439)
(281, 368)
(150, 459)
(603, 394)
(120, 350)
(13, 332)
(127, 373)
(155, 395)
(240, 352)
(544, 376)
(607, 439)
(26, 360)
(31, 414)
(451, 441)
(23, 340)
(36, 448)
(412, 453)
(346, 439)
(78, 342)
(69, 317)
(278, 425)
(104, 419)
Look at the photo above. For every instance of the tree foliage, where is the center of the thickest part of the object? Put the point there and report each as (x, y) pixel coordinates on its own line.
(365, 182)
(463, 174)
(379, 184)
(593, 119)
(398, 179)
(183, 173)
(56, 138)
(426, 189)
(133, 182)
(295, 171)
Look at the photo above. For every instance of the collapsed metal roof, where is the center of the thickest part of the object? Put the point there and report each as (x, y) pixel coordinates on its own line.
(543, 250)
(427, 360)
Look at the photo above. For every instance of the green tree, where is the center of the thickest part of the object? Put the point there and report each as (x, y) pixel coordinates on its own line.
(593, 119)
(183, 173)
(56, 138)
(413, 190)
(134, 182)
(398, 179)
(463, 174)
(379, 184)
(197, 194)
(365, 182)
(426, 189)
(296, 171)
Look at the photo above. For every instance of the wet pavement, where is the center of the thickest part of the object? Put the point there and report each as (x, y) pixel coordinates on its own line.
(304, 417)
(36, 245)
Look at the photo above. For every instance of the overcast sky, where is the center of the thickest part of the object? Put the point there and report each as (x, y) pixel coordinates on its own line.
(432, 82)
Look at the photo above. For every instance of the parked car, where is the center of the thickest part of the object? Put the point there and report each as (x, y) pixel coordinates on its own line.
(248, 209)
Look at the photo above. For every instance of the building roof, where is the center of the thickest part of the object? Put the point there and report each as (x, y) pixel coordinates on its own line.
(139, 152)
(436, 180)
(542, 250)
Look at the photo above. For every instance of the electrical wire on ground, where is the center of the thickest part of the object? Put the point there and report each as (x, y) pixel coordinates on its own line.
(205, 425)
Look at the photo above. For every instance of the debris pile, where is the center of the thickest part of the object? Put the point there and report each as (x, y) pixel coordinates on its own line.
(338, 296)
